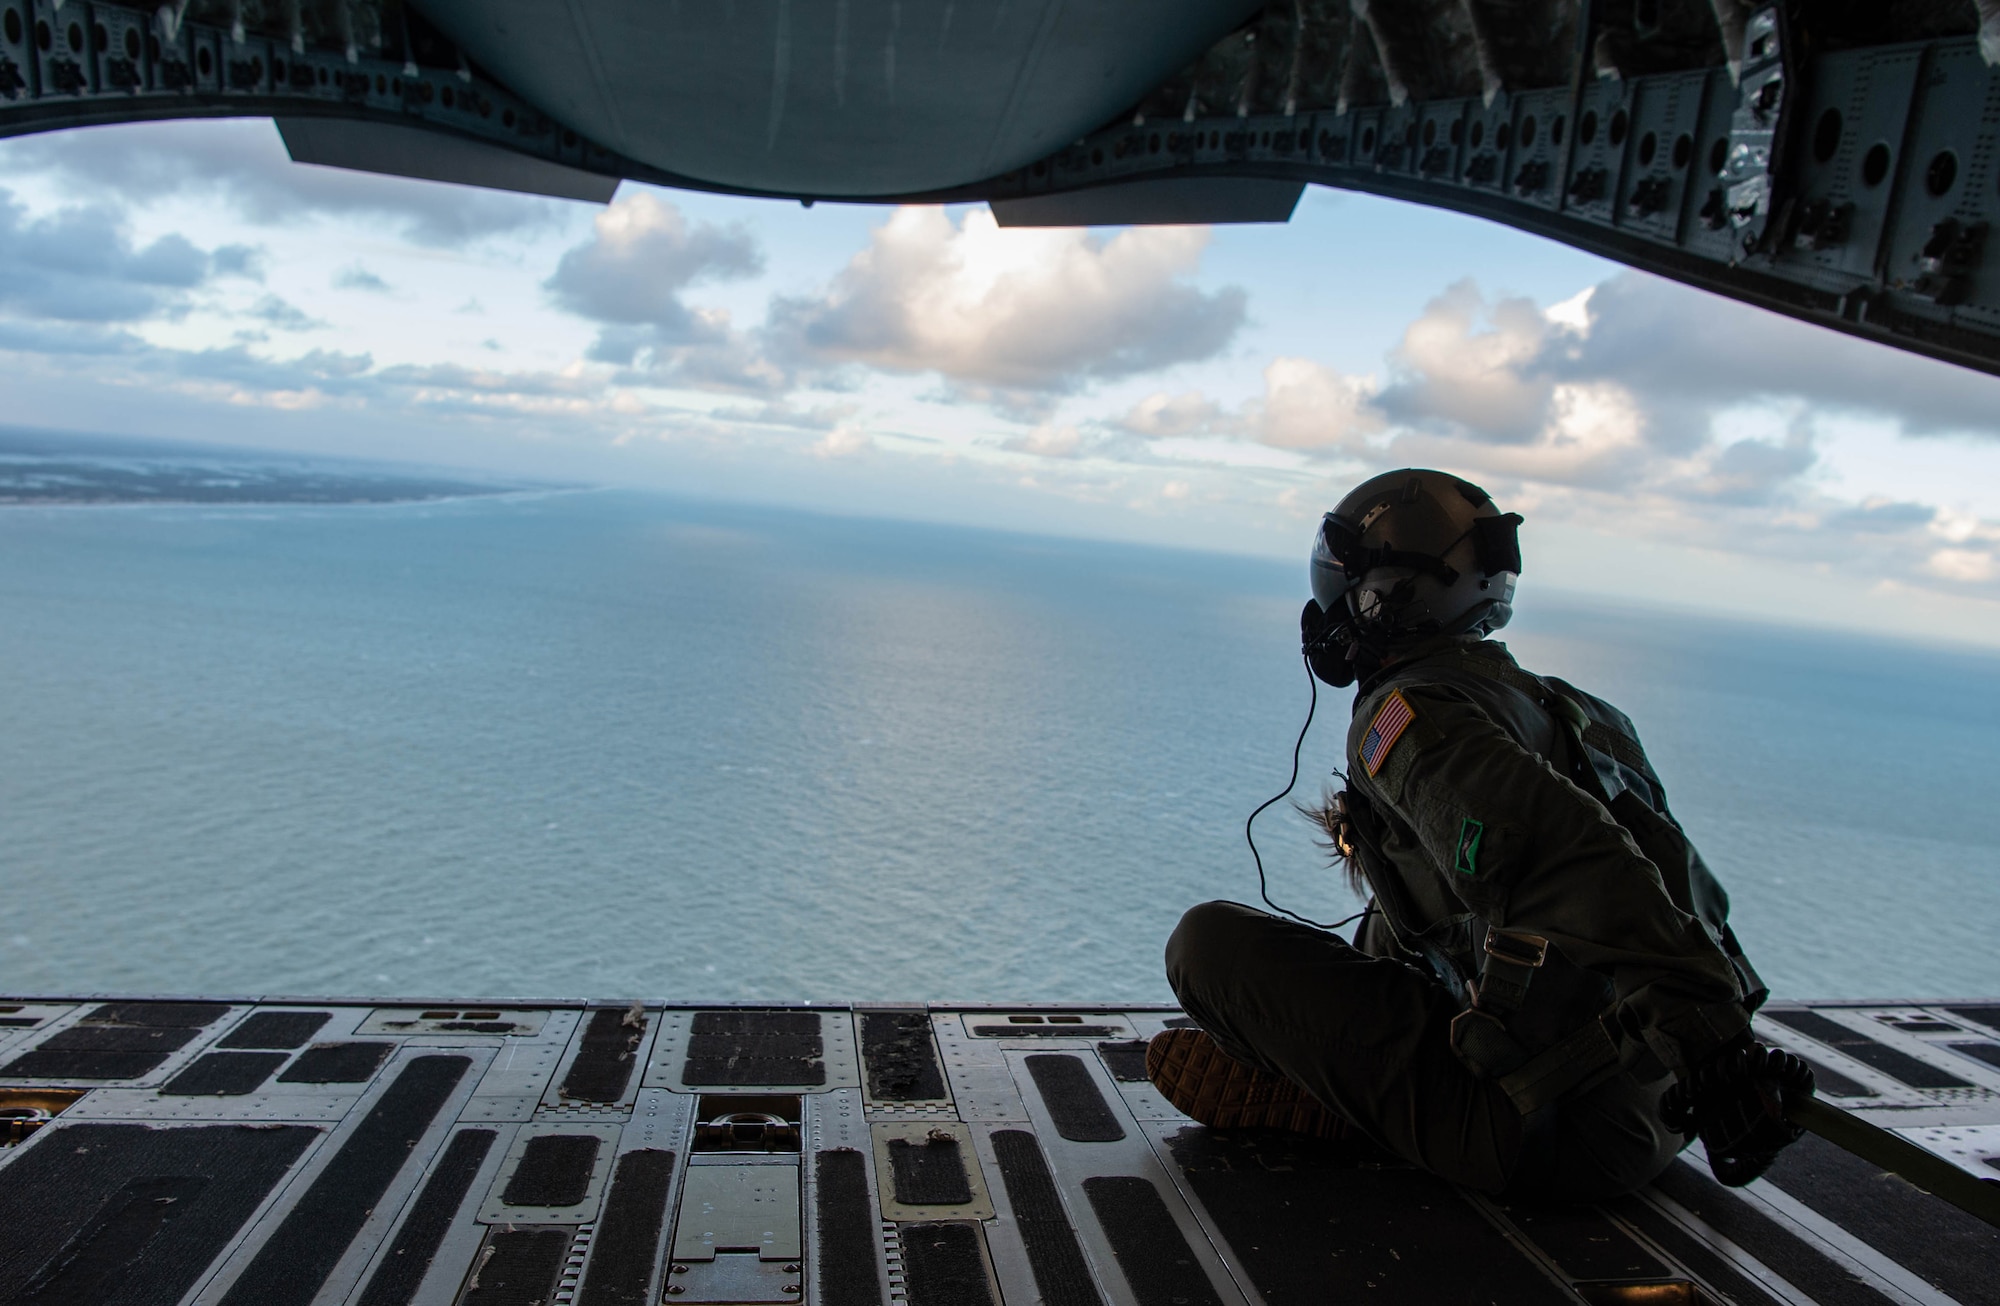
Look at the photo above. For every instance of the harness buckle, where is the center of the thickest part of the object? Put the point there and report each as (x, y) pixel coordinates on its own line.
(1529, 950)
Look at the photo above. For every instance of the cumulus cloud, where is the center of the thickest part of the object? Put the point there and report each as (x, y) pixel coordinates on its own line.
(1647, 406)
(1971, 547)
(1468, 365)
(60, 339)
(283, 315)
(1637, 406)
(1309, 406)
(1505, 388)
(1048, 441)
(81, 265)
(629, 277)
(1627, 387)
(1306, 406)
(820, 417)
(1754, 471)
(1968, 565)
(1005, 314)
(1165, 416)
(845, 442)
(243, 163)
(1686, 350)
(1010, 319)
(643, 255)
(1879, 516)
(356, 277)
(331, 370)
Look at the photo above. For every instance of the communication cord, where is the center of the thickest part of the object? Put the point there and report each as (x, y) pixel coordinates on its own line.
(1263, 886)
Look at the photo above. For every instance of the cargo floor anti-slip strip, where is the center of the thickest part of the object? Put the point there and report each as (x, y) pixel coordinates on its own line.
(416, 1244)
(224, 1074)
(604, 1058)
(901, 1059)
(92, 1268)
(1898, 1065)
(1829, 1082)
(99, 1213)
(848, 1231)
(1043, 1031)
(1987, 1016)
(943, 1265)
(275, 1029)
(554, 1170)
(83, 1065)
(1989, 1053)
(1079, 1110)
(518, 1267)
(754, 1047)
(627, 1244)
(295, 1260)
(929, 1171)
(100, 1051)
(1152, 1253)
(337, 1063)
(1310, 1227)
(1956, 1253)
(1802, 1264)
(1062, 1275)
(1125, 1060)
(159, 1015)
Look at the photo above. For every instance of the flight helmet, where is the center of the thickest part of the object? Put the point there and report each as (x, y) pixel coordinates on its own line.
(1414, 553)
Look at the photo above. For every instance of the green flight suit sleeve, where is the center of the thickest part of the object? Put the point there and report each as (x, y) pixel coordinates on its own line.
(1522, 846)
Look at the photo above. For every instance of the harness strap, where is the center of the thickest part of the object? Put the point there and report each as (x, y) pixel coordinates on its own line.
(1595, 733)
(1560, 697)
(1512, 958)
(1584, 1059)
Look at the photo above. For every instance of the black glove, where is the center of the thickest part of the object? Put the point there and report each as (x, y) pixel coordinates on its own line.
(1736, 1101)
(1324, 654)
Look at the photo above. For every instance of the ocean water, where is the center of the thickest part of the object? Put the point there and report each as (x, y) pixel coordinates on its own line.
(612, 745)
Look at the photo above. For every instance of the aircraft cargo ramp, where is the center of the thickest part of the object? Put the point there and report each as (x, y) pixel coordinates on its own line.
(284, 1152)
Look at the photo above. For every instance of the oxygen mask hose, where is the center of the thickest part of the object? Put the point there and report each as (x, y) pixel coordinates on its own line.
(1249, 836)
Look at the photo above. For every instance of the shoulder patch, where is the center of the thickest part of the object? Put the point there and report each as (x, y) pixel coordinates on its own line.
(1470, 832)
(1391, 720)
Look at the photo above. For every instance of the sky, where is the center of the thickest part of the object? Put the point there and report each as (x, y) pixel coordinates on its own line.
(1213, 388)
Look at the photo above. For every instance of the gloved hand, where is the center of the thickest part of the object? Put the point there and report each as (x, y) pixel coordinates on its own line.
(1327, 659)
(1736, 1102)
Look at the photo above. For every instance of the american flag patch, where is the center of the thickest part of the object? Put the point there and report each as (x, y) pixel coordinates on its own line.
(1391, 720)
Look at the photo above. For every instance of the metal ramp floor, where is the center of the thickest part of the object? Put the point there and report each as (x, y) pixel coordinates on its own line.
(279, 1152)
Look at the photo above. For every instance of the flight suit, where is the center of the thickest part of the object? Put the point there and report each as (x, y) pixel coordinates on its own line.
(1545, 952)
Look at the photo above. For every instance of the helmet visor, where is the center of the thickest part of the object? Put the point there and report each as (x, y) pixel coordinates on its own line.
(1330, 581)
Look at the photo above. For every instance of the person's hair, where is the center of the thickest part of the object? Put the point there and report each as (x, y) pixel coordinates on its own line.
(1331, 817)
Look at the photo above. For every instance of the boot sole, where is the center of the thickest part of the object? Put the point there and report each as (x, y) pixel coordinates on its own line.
(1208, 1085)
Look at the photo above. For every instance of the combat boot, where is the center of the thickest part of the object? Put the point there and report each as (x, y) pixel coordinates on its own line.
(1206, 1083)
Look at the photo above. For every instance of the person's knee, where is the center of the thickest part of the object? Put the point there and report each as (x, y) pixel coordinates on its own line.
(1205, 942)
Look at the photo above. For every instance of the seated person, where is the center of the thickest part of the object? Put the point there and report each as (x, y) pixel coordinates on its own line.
(1544, 996)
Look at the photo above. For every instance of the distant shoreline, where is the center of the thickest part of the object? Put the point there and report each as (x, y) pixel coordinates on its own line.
(264, 501)
(45, 470)
(114, 482)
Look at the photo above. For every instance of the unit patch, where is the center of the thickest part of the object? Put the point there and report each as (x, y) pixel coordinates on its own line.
(1469, 832)
(1391, 720)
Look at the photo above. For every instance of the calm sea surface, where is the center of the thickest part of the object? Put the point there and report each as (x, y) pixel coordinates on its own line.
(609, 745)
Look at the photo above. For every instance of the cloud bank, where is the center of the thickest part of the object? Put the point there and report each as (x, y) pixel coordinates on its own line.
(1012, 316)
(1082, 364)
